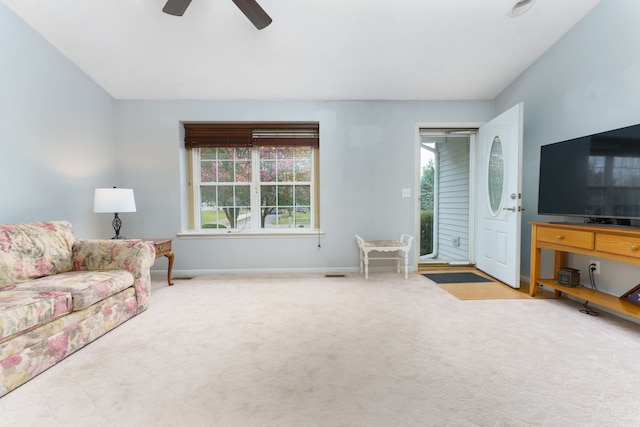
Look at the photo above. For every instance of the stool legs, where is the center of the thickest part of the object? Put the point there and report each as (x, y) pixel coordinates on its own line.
(366, 265)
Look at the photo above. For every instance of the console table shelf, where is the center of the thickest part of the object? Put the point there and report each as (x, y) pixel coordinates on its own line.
(616, 243)
(599, 298)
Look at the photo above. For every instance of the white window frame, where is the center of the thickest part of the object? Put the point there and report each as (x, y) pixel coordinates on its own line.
(255, 185)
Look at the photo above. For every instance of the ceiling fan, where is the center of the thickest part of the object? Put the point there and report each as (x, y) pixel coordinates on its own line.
(250, 8)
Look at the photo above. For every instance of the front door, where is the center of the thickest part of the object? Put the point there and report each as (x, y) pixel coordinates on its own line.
(499, 196)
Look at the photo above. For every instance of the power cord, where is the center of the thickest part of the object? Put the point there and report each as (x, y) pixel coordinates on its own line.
(588, 310)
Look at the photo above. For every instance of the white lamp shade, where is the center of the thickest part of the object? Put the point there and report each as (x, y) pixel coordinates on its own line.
(113, 200)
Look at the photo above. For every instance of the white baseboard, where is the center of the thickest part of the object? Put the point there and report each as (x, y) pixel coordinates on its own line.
(325, 270)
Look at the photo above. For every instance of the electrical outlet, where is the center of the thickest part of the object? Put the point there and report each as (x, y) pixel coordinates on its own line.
(597, 266)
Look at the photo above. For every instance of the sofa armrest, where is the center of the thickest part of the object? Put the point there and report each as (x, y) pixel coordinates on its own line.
(134, 256)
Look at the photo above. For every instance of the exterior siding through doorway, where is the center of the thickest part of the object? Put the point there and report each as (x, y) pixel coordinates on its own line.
(453, 198)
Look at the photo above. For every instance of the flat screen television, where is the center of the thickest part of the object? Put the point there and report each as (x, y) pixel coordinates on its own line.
(596, 177)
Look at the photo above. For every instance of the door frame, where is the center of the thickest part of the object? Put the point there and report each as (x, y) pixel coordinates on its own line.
(472, 184)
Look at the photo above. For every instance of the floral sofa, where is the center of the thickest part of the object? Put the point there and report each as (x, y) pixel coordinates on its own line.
(58, 294)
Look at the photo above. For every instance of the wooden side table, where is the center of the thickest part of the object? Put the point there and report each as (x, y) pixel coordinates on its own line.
(163, 248)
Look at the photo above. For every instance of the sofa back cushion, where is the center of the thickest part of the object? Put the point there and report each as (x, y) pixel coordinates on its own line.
(34, 249)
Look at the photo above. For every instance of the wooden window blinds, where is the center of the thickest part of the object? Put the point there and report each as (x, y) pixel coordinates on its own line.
(251, 134)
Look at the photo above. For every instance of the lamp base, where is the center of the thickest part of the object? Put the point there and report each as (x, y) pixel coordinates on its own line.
(117, 224)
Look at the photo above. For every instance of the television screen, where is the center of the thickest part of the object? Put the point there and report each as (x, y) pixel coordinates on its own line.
(596, 176)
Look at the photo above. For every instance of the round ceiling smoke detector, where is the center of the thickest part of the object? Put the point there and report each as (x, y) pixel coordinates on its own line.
(521, 7)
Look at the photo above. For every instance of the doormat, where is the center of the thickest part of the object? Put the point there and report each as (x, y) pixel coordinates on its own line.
(471, 286)
(460, 277)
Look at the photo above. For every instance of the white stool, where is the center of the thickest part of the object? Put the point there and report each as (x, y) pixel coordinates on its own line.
(401, 247)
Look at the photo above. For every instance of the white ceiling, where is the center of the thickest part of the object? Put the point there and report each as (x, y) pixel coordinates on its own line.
(314, 49)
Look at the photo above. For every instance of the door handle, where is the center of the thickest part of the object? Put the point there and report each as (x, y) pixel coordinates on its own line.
(513, 209)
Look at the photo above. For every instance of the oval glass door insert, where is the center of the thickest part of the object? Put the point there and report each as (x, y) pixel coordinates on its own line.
(496, 175)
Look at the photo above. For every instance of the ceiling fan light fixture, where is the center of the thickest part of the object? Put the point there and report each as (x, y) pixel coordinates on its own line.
(521, 7)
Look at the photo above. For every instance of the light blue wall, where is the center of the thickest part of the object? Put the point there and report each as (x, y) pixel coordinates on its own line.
(367, 155)
(57, 133)
(587, 82)
(61, 136)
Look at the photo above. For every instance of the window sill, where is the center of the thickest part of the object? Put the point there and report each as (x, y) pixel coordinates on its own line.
(249, 234)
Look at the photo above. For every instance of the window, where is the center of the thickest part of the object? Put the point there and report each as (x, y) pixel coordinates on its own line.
(253, 176)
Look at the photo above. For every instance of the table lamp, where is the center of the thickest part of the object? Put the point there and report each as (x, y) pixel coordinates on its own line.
(114, 200)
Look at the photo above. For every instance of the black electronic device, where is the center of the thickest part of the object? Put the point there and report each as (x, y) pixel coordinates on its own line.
(569, 277)
(596, 177)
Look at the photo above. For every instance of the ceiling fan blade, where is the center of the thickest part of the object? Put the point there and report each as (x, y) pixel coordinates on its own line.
(254, 12)
(176, 7)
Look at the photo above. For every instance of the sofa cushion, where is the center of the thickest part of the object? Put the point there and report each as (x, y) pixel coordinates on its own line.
(34, 249)
(21, 311)
(86, 287)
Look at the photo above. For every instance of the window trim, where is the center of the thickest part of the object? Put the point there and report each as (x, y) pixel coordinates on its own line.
(249, 134)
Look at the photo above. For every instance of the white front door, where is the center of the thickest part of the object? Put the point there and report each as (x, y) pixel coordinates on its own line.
(499, 196)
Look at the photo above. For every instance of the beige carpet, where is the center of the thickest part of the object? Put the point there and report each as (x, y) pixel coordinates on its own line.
(306, 350)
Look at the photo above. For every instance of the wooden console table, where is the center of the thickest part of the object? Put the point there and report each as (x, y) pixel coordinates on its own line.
(163, 248)
(616, 243)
